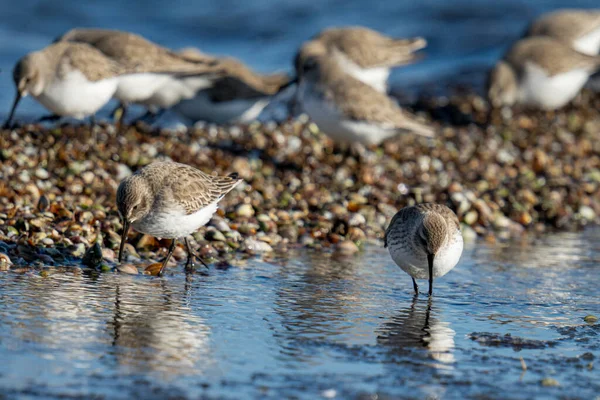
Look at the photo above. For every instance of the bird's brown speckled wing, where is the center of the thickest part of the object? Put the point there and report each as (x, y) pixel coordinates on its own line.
(566, 25)
(91, 62)
(403, 216)
(552, 55)
(408, 214)
(371, 49)
(140, 55)
(441, 209)
(194, 190)
(360, 102)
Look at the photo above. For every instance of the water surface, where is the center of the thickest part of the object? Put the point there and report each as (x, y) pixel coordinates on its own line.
(311, 326)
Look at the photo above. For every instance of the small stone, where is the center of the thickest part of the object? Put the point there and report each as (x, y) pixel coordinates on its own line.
(214, 235)
(587, 213)
(471, 217)
(41, 173)
(88, 177)
(590, 319)
(127, 269)
(357, 219)
(549, 382)
(245, 210)
(5, 262)
(257, 246)
(347, 248)
(43, 203)
(93, 256)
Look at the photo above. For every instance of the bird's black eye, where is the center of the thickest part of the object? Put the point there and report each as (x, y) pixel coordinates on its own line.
(309, 64)
(135, 207)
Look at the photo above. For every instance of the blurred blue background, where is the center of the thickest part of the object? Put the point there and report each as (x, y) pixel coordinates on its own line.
(465, 37)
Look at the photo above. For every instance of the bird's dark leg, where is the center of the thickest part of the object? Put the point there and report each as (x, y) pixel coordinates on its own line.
(430, 261)
(121, 120)
(191, 254)
(150, 116)
(169, 254)
(416, 287)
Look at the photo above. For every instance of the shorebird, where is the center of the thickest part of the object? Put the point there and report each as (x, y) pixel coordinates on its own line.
(540, 72)
(347, 109)
(164, 77)
(69, 79)
(579, 28)
(425, 241)
(363, 53)
(170, 200)
(238, 96)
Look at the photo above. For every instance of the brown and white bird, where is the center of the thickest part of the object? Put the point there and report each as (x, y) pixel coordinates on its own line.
(540, 72)
(579, 28)
(347, 109)
(363, 53)
(425, 241)
(239, 95)
(164, 77)
(69, 79)
(170, 200)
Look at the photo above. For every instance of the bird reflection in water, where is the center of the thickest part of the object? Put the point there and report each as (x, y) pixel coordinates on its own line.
(417, 327)
(153, 330)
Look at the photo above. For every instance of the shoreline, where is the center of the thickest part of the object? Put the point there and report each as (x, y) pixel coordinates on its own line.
(531, 172)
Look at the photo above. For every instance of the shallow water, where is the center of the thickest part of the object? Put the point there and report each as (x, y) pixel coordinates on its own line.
(465, 36)
(311, 326)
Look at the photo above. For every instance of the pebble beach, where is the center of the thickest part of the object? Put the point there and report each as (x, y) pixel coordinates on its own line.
(523, 174)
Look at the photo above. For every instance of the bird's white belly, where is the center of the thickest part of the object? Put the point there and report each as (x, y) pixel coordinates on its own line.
(588, 44)
(171, 92)
(174, 224)
(134, 88)
(342, 130)
(549, 93)
(202, 108)
(76, 96)
(414, 262)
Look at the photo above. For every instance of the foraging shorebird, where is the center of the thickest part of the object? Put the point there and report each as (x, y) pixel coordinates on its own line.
(69, 79)
(347, 109)
(363, 53)
(540, 72)
(238, 96)
(164, 77)
(425, 241)
(170, 200)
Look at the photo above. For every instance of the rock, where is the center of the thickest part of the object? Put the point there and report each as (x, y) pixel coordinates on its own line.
(590, 319)
(549, 382)
(220, 224)
(357, 219)
(256, 246)
(245, 211)
(214, 235)
(93, 256)
(127, 269)
(471, 217)
(587, 213)
(41, 173)
(347, 248)
(5, 262)
(78, 250)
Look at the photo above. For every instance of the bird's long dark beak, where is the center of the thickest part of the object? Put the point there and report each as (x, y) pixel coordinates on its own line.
(12, 111)
(430, 260)
(123, 239)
